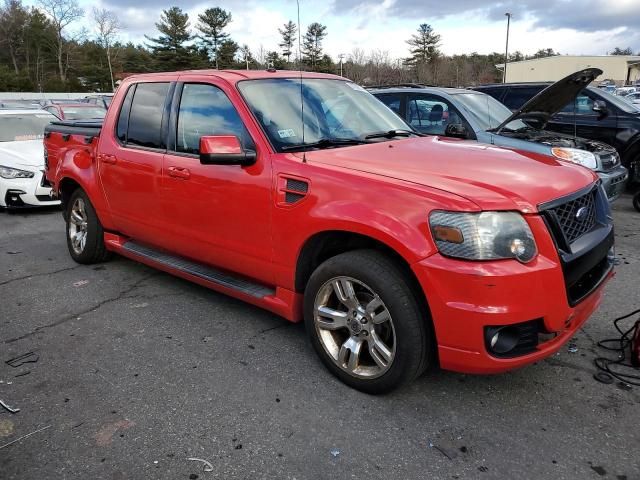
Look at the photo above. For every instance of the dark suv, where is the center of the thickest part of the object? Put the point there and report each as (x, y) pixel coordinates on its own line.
(595, 114)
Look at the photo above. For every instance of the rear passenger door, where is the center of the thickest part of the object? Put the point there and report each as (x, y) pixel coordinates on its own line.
(130, 162)
(217, 214)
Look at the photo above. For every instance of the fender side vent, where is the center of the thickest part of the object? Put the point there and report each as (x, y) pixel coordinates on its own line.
(297, 186)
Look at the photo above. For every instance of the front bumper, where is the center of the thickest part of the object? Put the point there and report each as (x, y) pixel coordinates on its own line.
(26, 192)
(466, 297)
(614, 181)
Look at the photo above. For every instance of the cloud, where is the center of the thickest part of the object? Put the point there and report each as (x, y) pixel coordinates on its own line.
(580, 15)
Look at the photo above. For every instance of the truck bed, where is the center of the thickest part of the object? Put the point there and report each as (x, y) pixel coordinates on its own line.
(87, 128)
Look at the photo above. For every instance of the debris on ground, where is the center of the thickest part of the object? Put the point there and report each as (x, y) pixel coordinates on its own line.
(24, 436)
(603, 377)
(29, 357)
(335, 452)
(8, 408)
(207, 467)
(80, 283)
(573, 348)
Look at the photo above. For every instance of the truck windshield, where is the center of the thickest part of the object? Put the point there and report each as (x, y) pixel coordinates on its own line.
(20, 127)
(488, 112)
(336, 113)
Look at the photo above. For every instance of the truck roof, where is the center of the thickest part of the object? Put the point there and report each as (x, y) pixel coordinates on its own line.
(233, 76)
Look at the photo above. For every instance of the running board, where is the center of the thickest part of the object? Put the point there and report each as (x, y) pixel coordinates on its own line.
(199, 270)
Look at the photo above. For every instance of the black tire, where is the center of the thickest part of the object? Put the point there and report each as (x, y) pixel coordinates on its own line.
(411, 326)
(94, 249)
(636, 201)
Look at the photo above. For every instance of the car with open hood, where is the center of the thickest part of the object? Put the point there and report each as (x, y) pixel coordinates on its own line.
(468, 114)
(22, 180)
(593, 114)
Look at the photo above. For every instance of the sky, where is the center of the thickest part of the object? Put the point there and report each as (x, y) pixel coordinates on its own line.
(577, 27)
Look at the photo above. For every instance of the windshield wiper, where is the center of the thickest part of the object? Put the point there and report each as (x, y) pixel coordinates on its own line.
(392, 134)
(325, 143)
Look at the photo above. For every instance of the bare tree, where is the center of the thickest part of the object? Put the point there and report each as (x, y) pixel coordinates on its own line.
(108, 27)
(61, 13)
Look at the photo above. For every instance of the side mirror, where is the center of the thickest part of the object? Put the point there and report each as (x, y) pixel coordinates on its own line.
(600, 106)
(456, 130)
(224, 150)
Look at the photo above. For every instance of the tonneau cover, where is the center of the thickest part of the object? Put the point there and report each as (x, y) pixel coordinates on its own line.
(88, 128)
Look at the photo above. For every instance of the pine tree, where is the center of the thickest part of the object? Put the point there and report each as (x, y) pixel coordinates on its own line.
(171, 49)
(212, 23)
(228, 49)
(312, 43)
(424, 45)
(288, 33)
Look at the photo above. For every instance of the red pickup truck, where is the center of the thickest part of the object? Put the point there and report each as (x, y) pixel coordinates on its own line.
(306, 196)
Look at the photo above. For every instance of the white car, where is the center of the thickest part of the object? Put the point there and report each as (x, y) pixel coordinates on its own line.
(633, 98)
(22, 180)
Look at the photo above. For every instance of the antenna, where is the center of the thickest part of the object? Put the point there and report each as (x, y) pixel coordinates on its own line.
(304, 156)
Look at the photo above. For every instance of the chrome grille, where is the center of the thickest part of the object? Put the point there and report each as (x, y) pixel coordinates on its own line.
(572, 224)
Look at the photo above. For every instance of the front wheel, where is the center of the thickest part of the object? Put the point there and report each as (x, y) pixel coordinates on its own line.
(85, 236)
(365, 322)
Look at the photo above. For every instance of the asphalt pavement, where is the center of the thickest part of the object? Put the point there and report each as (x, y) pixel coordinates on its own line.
(124, 372)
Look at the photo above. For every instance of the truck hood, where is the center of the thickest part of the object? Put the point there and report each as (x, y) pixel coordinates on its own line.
(553, 98)
(29, 153)
(493, 178)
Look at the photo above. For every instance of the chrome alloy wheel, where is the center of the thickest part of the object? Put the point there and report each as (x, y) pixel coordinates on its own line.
(78, 226)
(354, 327)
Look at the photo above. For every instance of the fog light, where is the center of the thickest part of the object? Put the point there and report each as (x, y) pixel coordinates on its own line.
(503, 339)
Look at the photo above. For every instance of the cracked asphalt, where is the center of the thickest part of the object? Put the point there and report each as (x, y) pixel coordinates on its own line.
(138, 371)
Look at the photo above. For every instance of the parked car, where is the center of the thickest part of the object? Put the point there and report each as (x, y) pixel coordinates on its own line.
(22, 180)
(473, 115)
(397, 250)
(633, 98)
(594, 114)
(19, 104)
(624, 91)
(103, 100)
(76, 111)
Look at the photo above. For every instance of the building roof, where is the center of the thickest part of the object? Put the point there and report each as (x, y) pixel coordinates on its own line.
(629, 58)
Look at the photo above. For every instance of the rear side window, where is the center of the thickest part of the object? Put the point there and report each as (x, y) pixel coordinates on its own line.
(123, 118)
(145, 119)
(517, 97)
(392, 101)
(206, 110)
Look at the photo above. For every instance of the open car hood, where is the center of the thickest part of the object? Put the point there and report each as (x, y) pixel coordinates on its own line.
(553, 98)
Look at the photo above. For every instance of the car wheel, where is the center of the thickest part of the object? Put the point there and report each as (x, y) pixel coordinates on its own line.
(365, 322)
(85, 236)
(636, 201)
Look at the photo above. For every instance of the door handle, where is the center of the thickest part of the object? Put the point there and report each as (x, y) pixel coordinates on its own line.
(110, 159)
(178, 172)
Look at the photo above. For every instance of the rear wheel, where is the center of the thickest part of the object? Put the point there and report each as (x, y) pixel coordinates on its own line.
(365, 322)
(85, 236)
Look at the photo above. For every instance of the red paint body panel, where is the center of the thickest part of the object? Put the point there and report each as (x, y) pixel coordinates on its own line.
(236, 218)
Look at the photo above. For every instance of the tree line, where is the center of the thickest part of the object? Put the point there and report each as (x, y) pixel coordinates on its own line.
(43, 50)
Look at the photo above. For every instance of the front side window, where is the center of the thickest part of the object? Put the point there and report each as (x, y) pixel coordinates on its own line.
(431, 114)
(335, 111)
(206, 110)
(145, 119)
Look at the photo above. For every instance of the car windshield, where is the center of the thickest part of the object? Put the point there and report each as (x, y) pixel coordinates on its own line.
(21, 127)
(488, 112)
(83, 113)
(336, 112)
(617, 101)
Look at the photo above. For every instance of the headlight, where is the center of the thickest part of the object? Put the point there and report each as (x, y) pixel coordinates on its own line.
(7, 172)
(483, 236)
(581, 157)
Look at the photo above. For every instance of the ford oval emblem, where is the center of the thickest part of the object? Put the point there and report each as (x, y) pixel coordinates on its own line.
(582, 213)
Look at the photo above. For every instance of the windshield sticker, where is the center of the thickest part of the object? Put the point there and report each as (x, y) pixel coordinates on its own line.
(288, 133)
(355, 87)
